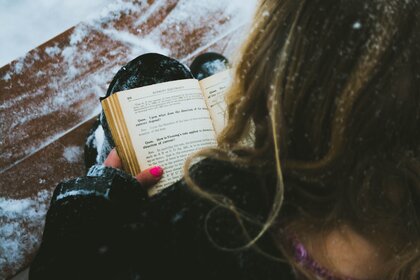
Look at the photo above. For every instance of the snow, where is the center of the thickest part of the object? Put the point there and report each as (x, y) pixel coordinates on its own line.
(76, 192)
(152, 9)
(357, 25)
(78, 34)
(22, 222)
(73, 154)
(180, 19)
(214, 66)
(18, 66)
(6, 77)
(24, 29)
(135, 42)
(52, 51)
(99, 141)
(112, 12)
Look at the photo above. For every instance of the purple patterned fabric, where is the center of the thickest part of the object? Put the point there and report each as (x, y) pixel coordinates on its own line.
(302, 257)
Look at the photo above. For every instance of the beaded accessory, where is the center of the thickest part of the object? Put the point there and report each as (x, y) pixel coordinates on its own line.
(303, 258)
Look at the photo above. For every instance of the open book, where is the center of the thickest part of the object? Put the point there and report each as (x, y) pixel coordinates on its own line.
(162, 124)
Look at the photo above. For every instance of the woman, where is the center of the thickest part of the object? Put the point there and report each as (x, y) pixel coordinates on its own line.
(329, 91)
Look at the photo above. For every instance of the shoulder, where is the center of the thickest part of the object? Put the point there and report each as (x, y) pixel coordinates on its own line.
(220, 227)
(218, 174)
(244, 186)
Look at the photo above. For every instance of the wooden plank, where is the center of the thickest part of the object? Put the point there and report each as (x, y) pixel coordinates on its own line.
(49, 98)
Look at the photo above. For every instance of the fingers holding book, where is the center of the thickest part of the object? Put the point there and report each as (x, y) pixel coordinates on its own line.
(148, 177)
(113, 160)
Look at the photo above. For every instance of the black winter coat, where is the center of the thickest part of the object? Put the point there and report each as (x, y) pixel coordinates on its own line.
(104, 226)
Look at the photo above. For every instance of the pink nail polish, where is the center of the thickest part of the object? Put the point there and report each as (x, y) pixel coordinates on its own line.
(156, 171)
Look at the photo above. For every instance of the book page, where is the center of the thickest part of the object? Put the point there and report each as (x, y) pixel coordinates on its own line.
(214, 89)
(166, 123)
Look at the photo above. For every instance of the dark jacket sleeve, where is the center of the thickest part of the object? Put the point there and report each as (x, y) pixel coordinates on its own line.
(106, 227)
(84, 216)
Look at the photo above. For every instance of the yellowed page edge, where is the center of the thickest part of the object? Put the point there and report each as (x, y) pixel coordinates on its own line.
(112, 117)
(132, 159)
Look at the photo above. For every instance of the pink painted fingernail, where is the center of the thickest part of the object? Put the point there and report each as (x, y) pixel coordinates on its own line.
(156, 171)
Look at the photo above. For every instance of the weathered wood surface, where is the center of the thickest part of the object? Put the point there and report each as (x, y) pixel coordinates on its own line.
(49, 98)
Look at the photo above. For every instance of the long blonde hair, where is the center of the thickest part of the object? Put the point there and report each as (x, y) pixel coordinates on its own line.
(330, 93)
